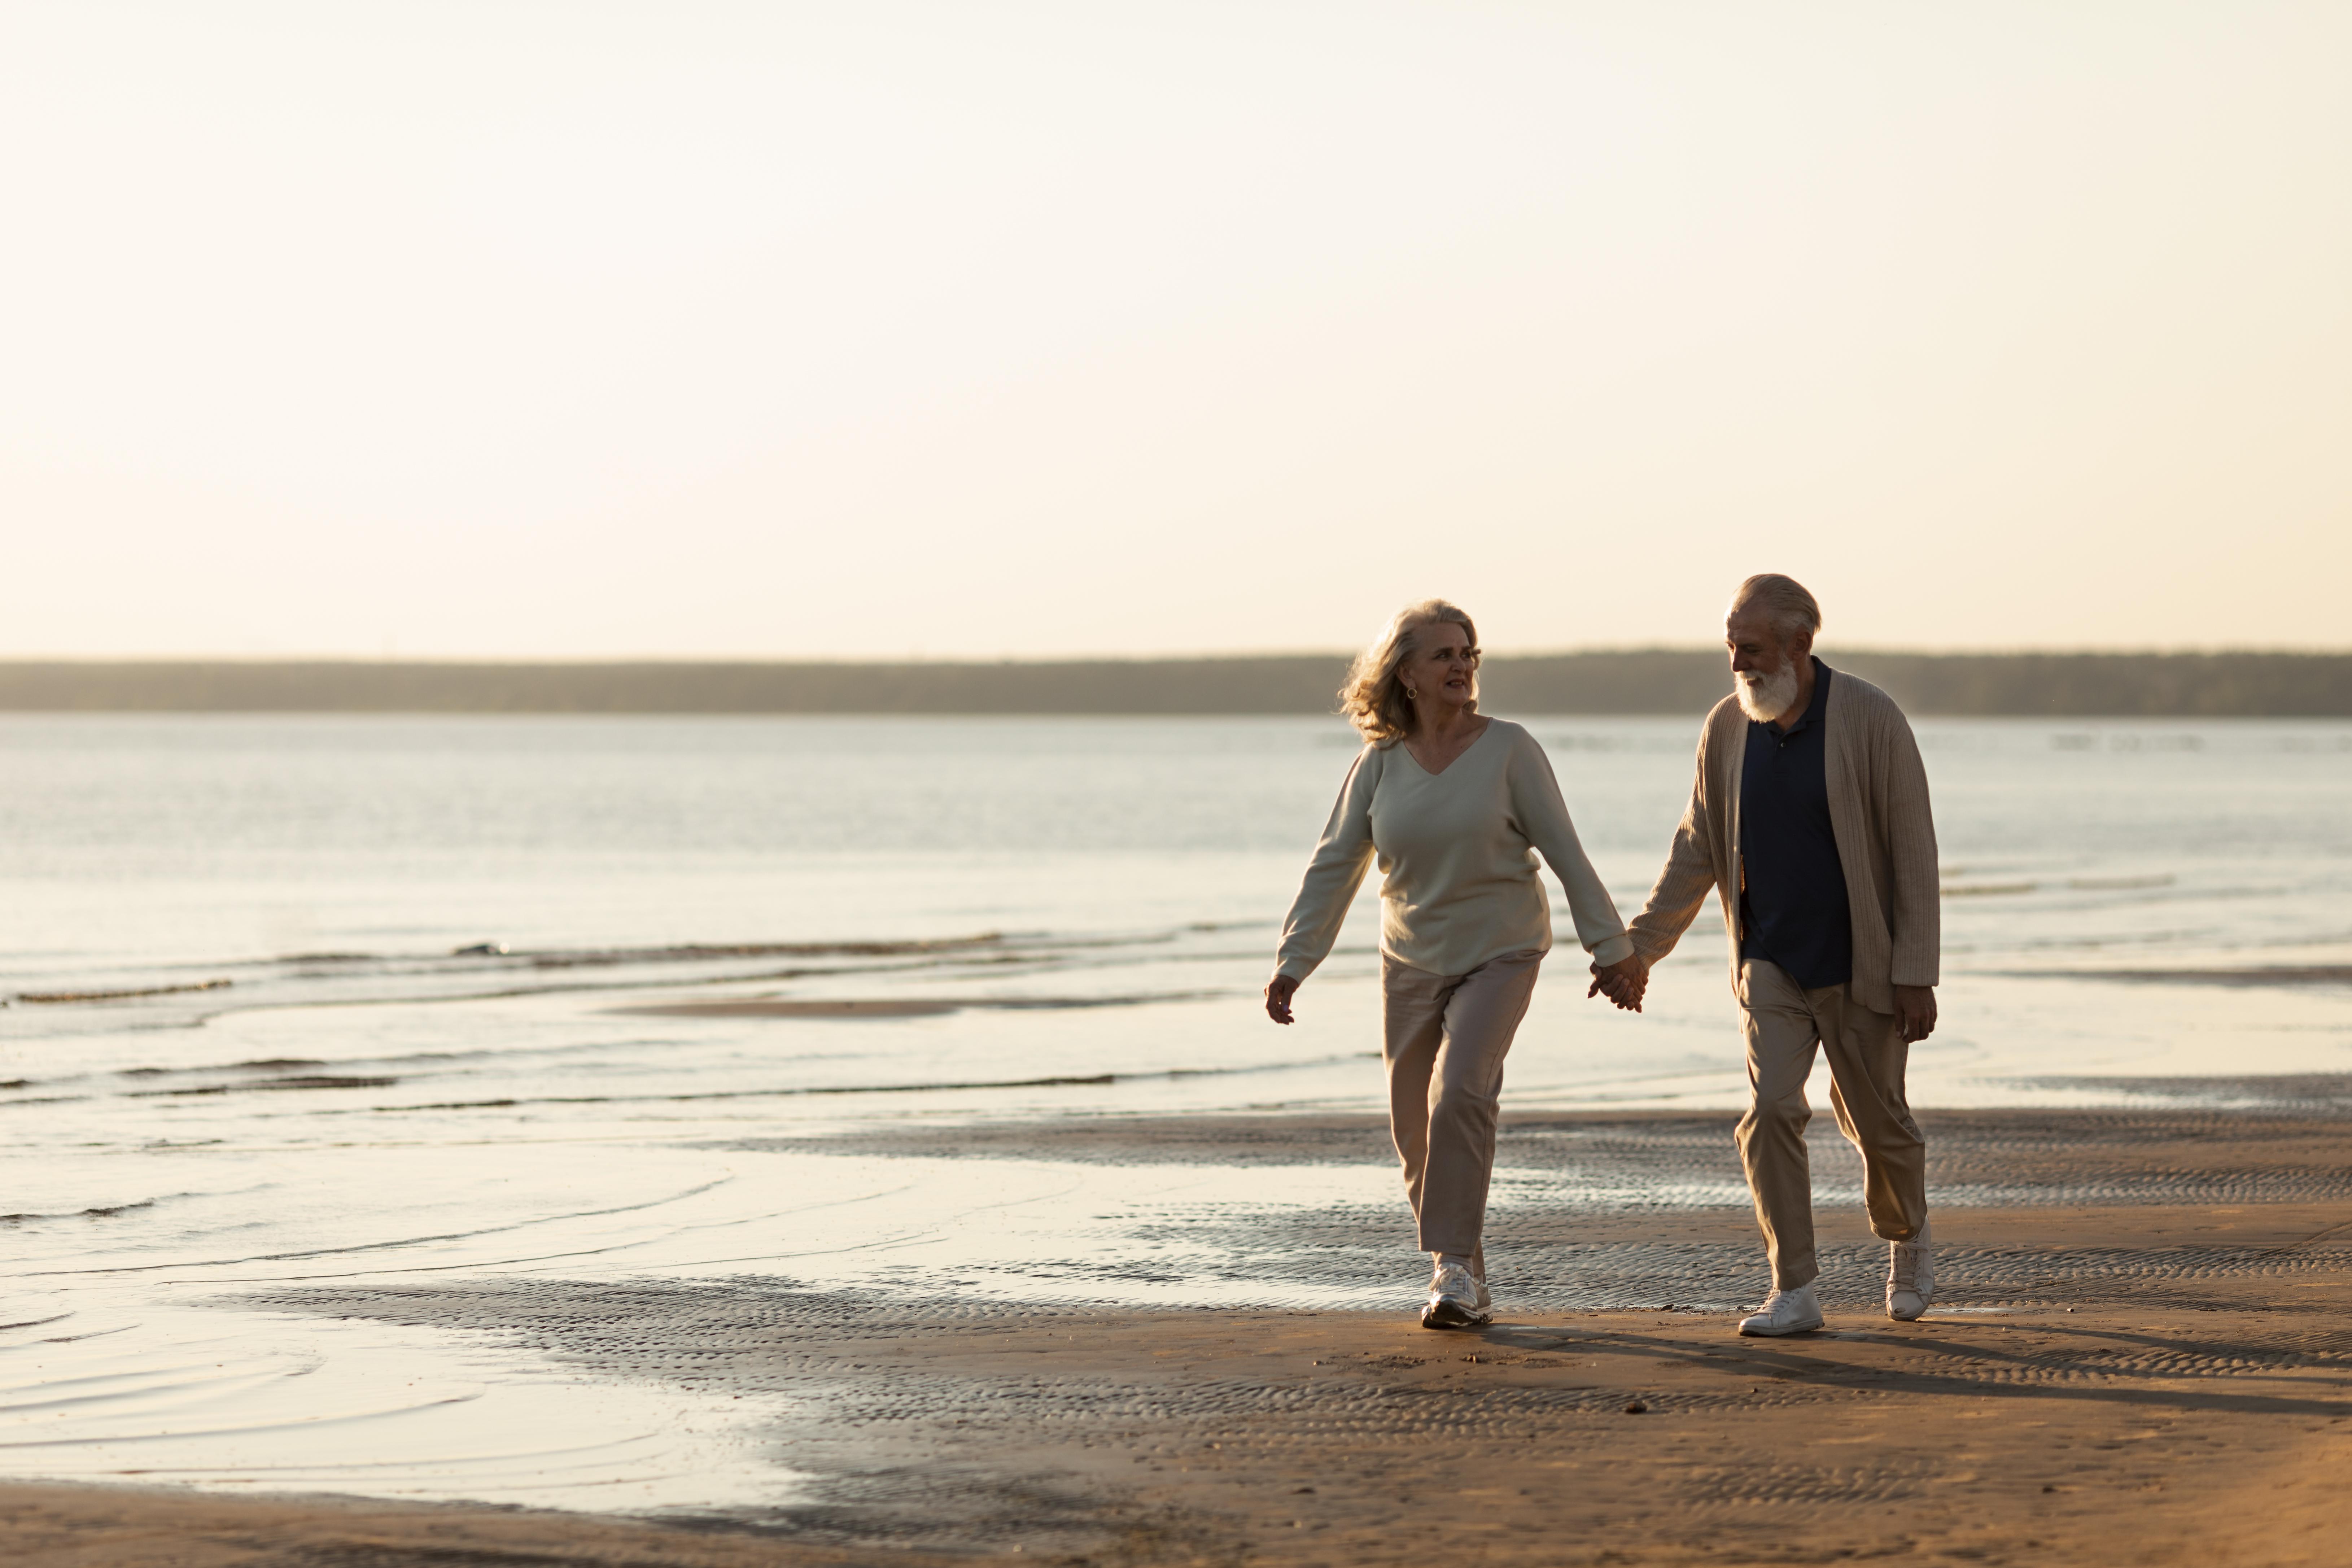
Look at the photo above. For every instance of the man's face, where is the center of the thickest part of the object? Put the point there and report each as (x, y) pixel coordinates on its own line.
(1756, 647)
(1766, 667)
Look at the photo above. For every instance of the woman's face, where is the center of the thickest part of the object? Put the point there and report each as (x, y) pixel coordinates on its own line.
(1441, 671)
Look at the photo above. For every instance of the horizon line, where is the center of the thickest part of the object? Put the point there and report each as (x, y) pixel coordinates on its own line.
(1042, 660)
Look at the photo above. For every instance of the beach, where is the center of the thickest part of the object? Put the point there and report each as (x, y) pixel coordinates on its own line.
(776, 1141)
(2140, 1357)
(734, 831)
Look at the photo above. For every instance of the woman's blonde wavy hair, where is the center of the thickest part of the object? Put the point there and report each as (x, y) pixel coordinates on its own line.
(1372, 699)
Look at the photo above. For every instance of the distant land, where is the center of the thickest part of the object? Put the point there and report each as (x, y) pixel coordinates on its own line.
(1638, 680)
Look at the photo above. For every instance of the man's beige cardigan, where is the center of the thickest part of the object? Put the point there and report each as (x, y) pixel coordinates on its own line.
(1878, 814)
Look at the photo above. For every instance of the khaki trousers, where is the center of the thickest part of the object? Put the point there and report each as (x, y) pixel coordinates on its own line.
(1867, 1053)
(1446, 1036)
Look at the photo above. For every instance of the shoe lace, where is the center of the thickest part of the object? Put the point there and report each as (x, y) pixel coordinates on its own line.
(1905, 1274)
(1453, 1280)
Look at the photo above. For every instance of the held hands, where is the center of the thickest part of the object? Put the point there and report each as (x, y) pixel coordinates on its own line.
(1279, 992)
(1622, 981)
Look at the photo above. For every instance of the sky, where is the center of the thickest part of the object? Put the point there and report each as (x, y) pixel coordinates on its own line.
(993, 327)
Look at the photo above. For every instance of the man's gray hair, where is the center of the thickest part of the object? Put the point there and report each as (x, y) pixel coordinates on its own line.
(1784, 599)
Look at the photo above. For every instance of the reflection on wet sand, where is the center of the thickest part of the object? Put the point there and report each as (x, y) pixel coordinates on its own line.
(687, 1347)
(2258, 975)
(2143, 1310)
(889, 1006)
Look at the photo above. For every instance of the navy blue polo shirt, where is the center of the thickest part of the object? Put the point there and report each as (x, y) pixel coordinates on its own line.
(1792, 907)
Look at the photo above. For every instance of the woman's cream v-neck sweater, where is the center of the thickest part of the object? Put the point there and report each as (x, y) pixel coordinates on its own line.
(1459, 879)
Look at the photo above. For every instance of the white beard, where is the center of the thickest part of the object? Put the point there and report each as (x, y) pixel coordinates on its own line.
(1764, 698)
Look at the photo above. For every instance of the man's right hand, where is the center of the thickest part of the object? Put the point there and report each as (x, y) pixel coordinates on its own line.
(1623, 981)
(1279, 992)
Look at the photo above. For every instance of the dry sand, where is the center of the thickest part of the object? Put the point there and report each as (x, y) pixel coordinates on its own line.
(2161, 1375)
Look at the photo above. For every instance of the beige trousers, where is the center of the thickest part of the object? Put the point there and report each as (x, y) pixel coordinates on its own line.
(1446, 1036)
(1867, 1054)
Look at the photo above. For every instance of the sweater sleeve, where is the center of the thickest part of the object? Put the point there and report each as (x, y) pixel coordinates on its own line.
(1916, 918)
(1689, 876)
(1333, 873)
(1542, 814)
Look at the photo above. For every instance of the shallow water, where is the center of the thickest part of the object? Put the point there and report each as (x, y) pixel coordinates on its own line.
(245, 1051)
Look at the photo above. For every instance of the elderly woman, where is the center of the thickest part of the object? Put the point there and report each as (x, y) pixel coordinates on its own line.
(1454, 806)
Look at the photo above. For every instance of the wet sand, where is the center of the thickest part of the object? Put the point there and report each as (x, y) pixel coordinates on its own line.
(2142, 1354)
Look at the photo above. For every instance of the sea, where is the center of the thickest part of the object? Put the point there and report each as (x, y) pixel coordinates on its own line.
(320, 1003)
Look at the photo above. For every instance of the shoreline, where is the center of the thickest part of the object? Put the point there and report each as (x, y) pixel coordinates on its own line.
(1682, 683)
(2138, 1353)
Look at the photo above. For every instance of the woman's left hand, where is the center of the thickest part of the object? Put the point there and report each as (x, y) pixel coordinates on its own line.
(1622, 981)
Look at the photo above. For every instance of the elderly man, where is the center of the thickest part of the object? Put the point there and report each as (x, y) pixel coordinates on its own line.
(1810, 819)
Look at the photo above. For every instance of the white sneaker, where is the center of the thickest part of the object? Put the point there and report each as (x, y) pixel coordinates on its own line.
(1785, 1312)
(1453, 1300)
(1910, 1276)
